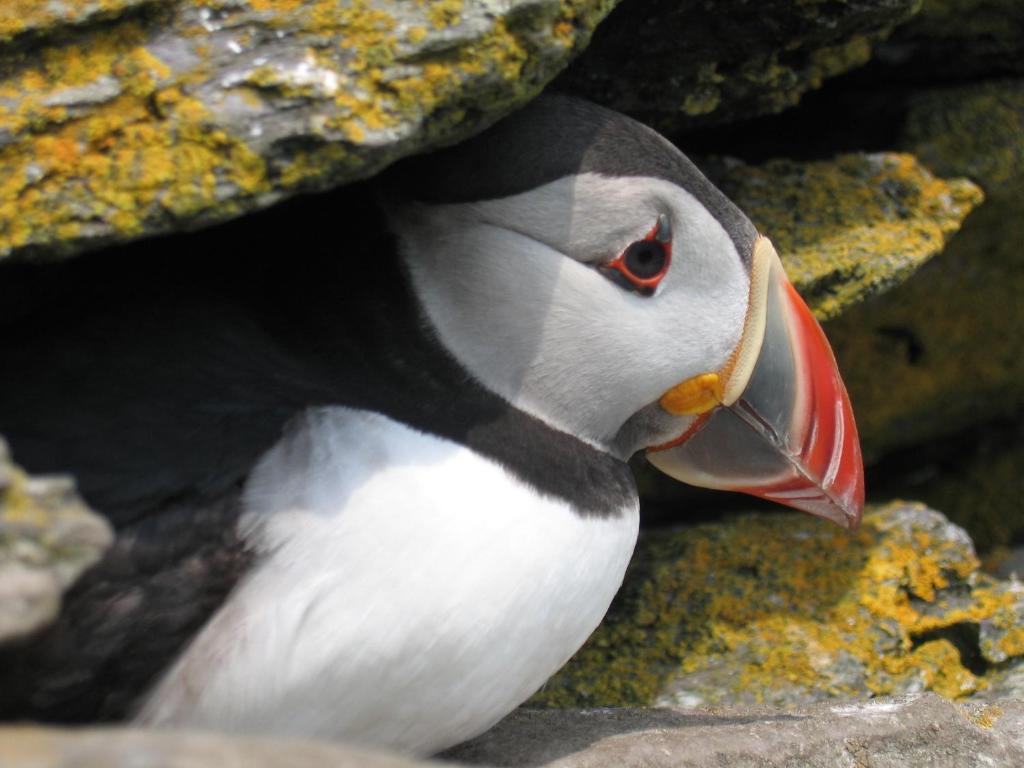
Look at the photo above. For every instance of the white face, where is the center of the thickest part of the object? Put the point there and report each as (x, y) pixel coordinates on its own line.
(513, 290)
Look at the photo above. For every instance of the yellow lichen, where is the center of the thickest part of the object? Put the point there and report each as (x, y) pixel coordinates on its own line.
(771, 607)
(986, 717)
(444, 13)
(118, 159)
(853, 226)
(17, 505)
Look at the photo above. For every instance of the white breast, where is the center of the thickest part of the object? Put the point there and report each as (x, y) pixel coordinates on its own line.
(409, 592)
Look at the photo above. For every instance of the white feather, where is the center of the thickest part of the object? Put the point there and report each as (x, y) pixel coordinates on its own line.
(409, 592)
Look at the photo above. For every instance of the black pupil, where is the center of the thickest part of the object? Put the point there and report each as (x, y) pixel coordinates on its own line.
(645, 259)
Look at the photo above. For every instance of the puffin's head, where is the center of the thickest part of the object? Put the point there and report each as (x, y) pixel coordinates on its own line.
(581, 267)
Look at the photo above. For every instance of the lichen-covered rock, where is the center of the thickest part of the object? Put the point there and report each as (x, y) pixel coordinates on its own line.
(48, 537)
(783, 609)
(942, 352)
(959, 39)
(1006, 683)
(121, 117)
(974, 477)
(676, 65)
(851, 227)
(905, 731)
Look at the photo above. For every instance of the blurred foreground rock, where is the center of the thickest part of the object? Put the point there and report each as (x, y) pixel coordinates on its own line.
(123, 118)
(31, 747)
(906, 731)
(48, 537)
(786, 610)
(910, 730)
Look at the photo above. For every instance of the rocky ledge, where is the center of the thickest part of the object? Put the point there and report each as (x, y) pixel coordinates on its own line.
(909, 730)
(905, 731)
(781, 609)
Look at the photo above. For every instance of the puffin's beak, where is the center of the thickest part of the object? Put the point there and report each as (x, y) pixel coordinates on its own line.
(776, 421)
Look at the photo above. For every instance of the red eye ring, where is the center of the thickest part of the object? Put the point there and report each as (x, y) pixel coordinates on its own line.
(644, 263)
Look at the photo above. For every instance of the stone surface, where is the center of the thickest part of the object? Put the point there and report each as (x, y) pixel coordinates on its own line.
(885, 733)
(677, 65)
(973, 476)
(33, 747)
(941, 353)
(784, 609)
(1012, 564)
(1007, 683)
(124, 117)
(851, 227)
(48, 537)
(958, 39)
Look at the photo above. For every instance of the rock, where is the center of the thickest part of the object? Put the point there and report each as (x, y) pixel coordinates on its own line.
(785, 610)
(851, 227)
(1012, 565)
(678, 65)
(34, 747)
(124, 117)
(974, 477)
(909, 730)
(48, 537)
(1007, 683)
(941, 353)
(958, 39)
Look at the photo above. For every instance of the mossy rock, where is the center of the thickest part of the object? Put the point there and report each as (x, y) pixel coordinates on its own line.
(124, 118)
(784, 609)
(681, 65)
(48, 537)
(851, 227)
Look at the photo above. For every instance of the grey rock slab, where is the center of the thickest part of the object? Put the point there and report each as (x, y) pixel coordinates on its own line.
(915, 731)
(36, 747)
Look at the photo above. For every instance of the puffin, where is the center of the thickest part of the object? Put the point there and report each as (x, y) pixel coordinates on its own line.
(368, 469)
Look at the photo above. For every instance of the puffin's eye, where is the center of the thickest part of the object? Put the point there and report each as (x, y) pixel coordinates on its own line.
(644, 259)
(644, 263)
